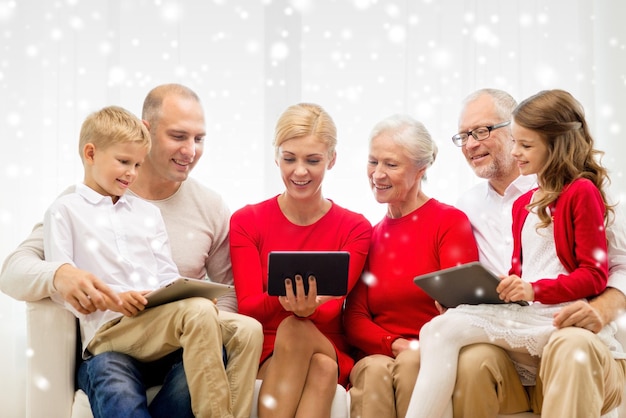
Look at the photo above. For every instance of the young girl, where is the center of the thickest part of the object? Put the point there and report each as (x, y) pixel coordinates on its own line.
(559, 238)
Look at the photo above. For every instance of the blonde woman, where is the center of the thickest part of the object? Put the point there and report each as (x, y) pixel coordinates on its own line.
(305, 352)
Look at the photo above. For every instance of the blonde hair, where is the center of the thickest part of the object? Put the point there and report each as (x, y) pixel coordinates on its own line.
(112, 125)
(302, 120)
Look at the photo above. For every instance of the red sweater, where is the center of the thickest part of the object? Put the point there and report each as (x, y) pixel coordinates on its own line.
(433, 237)
(255, 230)
(579, 236)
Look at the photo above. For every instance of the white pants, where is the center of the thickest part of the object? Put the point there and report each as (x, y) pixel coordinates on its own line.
(441, 339)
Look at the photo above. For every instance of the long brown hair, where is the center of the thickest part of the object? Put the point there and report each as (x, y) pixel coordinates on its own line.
(560, 121)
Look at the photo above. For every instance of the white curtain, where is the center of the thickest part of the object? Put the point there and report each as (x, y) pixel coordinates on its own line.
(360, 59)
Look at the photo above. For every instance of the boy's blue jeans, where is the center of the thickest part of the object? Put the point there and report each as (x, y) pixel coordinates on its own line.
(116, 386)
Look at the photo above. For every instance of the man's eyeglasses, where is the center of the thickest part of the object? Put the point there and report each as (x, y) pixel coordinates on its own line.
(481, 133)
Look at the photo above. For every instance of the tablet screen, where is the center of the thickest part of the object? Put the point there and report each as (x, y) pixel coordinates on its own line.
(330, 269)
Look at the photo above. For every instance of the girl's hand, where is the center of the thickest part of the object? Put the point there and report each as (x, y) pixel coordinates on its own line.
(513, 289)
(301, 304)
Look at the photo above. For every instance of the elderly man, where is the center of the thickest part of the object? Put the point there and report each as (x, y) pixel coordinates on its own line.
(487, 382)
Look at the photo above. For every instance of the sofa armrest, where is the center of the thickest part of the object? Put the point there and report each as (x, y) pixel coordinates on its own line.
(51, 360)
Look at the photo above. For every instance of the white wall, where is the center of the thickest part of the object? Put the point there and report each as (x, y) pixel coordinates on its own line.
(360, 59)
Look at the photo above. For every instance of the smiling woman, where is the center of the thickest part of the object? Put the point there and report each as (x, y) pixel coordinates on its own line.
(401, 150)
(360, 59)
(419, 235)
(304, 344)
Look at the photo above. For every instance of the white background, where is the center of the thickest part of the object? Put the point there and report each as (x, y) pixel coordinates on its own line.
(360, 59)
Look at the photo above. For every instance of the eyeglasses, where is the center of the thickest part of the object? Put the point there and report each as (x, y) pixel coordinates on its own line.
(480, 134)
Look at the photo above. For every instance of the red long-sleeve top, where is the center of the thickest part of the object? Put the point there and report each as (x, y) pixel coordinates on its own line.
(580, 240)
(387, 304)
(255, 230)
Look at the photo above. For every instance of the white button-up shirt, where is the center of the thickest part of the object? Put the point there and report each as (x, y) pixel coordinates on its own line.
(123, 244)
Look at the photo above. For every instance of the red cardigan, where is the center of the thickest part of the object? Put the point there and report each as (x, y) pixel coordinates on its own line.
(579, 237)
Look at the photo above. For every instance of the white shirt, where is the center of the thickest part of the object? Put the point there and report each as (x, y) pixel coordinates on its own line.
(616, 240)
(539, 246)
(123, 244)
(491, 219)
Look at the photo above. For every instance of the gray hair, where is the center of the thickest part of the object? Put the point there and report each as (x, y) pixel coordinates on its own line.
(503, 101)
(412, 135)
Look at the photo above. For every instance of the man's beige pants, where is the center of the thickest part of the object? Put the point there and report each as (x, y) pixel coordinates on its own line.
(382, 385)
(578, 377)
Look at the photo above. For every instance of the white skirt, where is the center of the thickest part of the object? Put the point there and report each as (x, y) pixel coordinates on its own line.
(526, 329)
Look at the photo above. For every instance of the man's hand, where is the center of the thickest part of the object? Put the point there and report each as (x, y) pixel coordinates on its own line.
(579, 314)
(84, 291)
(595, 314)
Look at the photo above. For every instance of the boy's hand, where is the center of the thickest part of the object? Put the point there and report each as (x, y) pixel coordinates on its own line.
(133, 302)
(513, 288)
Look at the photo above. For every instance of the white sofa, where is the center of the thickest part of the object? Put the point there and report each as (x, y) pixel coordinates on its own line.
(52, 348)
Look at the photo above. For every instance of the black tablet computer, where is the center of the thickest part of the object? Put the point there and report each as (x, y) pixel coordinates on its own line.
(330, 269)
(183, 288)
(470, 284)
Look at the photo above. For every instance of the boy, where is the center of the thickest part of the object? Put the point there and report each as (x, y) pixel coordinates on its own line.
(122, 240)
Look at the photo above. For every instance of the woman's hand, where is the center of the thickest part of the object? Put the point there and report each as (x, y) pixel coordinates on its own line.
(513, 288)
(440, 308)
(401, 344)
(301, 304)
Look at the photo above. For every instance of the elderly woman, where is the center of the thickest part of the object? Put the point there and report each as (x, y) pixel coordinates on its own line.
(418, 235)
(305, 352)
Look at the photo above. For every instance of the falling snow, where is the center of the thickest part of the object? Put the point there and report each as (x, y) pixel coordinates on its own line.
(360, 59)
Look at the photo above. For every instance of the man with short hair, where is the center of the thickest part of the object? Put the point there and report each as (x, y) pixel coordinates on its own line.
(197, 222)
(487, 381)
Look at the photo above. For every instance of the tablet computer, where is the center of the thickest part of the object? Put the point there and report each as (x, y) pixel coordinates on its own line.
(330, 269)
(470, 284)
(183, 288)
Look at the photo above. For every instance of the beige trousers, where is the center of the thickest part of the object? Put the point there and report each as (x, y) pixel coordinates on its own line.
(195, 325)
(382, 385)
(243, 338)
(487, 383)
